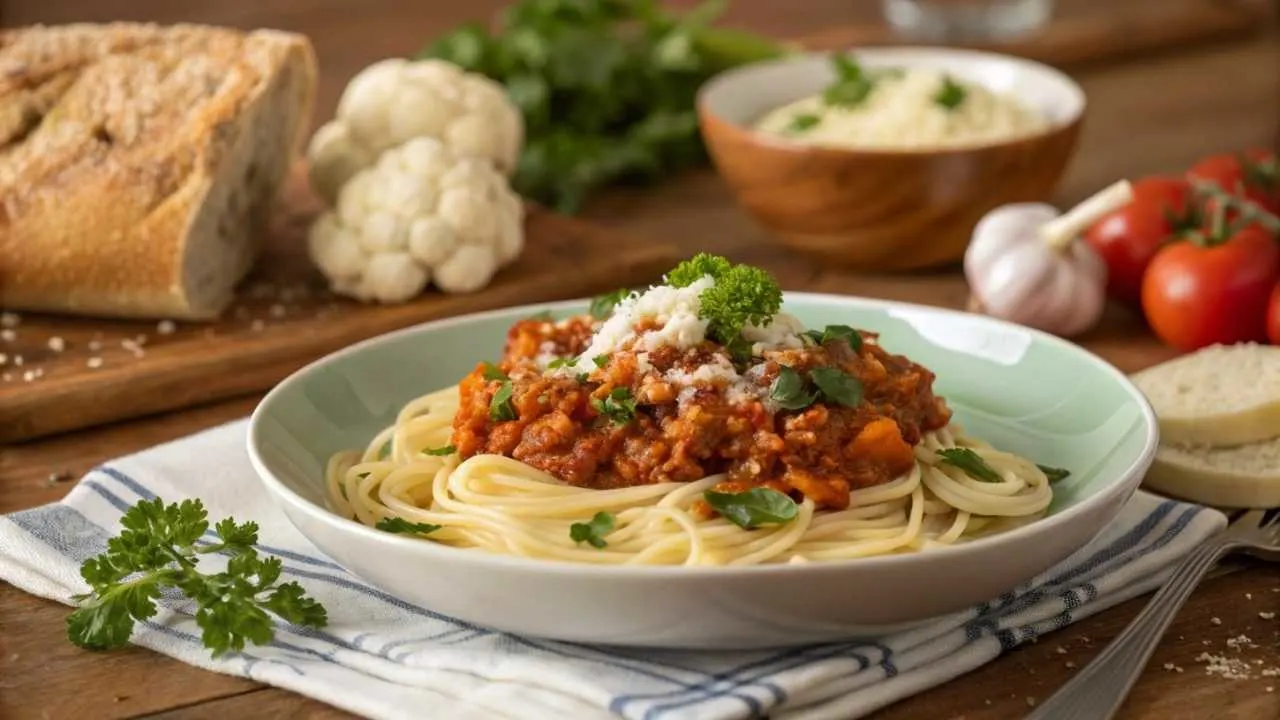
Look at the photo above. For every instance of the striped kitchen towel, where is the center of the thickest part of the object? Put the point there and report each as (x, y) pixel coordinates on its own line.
(383, 658)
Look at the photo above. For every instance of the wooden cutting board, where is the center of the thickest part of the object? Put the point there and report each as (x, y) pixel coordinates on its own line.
(80, 372)
(1102, 34)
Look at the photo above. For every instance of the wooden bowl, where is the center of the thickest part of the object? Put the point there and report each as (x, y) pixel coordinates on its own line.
(884, 210)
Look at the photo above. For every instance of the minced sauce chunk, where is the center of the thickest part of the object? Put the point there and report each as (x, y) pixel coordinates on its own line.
(630, 401)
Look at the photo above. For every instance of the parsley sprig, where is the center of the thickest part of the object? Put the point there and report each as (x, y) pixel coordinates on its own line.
(593, 531)
(741, 295)
(157, 549)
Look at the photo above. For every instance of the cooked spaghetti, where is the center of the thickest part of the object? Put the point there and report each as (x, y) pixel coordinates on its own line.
(690, 424)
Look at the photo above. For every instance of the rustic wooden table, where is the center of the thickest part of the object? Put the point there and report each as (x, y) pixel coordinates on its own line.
(1153, 114)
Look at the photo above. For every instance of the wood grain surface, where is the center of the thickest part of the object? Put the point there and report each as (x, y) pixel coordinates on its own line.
(80, 372)
(1149, 114)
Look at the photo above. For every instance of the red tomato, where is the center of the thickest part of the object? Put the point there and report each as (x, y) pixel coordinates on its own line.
(1200, 294)
(1252, 174)
(1273, 317)
(1129, 237)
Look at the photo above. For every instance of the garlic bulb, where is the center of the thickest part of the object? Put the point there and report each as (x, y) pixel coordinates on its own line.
(1025, 264)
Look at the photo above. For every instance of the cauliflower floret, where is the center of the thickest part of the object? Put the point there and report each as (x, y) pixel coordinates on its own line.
(421, 214)
(396, 100)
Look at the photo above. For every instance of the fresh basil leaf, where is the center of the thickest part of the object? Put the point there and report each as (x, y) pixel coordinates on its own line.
(602, 306)
(501, 407)
(803, 122)
(593, 531)
(440, 451)
(754, 507)
(401, 526)
(493, 372)
(837, 386)
(600, 360)
(971, 463)
(951, 94)
(619, 406)
(789, 391)
(1054, 474)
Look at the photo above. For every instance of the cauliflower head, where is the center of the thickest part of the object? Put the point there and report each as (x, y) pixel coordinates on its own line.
(396, 100)
(421, 214)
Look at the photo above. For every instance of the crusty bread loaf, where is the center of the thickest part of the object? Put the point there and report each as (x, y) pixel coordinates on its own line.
(1244, 476)
(137, 162)
(1218, 396)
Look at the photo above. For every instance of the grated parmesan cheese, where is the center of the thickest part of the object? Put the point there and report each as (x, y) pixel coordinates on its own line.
(673, 310)
(782, 333)
(718, 372)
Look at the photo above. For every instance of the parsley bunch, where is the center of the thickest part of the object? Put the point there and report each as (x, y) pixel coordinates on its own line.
(606, 87)
(157, 549)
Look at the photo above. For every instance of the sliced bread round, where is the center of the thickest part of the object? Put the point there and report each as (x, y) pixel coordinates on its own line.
(1245, 476)
(1218, 396)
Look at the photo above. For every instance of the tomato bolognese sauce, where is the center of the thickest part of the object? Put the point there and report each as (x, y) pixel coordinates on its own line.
(691, 423)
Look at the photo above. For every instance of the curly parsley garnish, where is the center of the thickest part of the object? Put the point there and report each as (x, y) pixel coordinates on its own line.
(754, 507)
(697, 267)
(401, 526)
(741, 295)
(970, 463)
(157, 549)
(951, 94)
(593, 531)
(619, 406)
(501, 407)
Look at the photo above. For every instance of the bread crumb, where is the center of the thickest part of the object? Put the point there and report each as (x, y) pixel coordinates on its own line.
(17, 360)
(1227, 667)
(1060, 650)
(986, 702)
(1168, 666)
(133, 347)
(1240, 641)
(166, 327)
(57, 344)
(1263, 615)
(1270, 689)
(93, 363)
(257, 326)
(34, 374)
(1215, 621)
(10, 320)
(277, 311)
(1031, 702)
(1070, 665)
(8, 335)
(95, 345)
(4, 359)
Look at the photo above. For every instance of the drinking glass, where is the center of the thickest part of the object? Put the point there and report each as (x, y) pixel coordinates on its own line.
(967, 20)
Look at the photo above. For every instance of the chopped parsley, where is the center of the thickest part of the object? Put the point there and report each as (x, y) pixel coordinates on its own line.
(603, 305)
(971, 463)
(384, 452)
(803, 122)
(619, 406)
(852, 85)
(836, 332)
(582, 377)
(1054, 474)
(500, 407)
(440, 451)
(837, 386)
(561, 362)
(593, 531)
(600, 360)
(789, 391)
(754, 507)
(493, 372)
(951, 94)
(400, 526)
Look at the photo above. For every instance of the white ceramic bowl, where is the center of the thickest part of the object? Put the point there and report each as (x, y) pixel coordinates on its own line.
(1021, 389)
